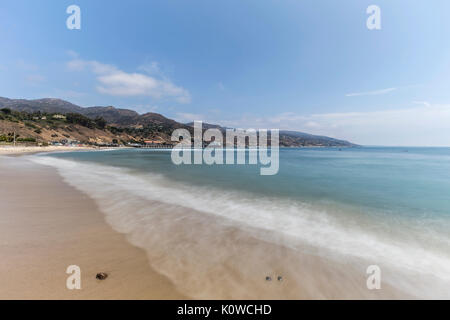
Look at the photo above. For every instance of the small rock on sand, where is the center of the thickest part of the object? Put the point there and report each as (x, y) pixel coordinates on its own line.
(101, 276)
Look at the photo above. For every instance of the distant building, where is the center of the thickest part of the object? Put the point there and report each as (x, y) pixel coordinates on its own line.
(153, 142)
(74, 142)
(59, 116)
(157, 144)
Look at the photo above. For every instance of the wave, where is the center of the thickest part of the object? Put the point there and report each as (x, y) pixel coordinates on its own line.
(192, 228)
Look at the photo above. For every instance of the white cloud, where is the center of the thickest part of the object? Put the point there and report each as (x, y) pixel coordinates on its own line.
(312, 125)
(418, 126)
(151, 68)
(72, 54)
(113, 81)
(424, 103)
(371, 93)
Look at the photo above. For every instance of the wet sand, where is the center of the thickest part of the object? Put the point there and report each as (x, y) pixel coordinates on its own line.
(46, 225)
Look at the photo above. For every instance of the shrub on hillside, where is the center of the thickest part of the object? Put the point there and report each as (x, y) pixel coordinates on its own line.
(100, 122)
(26, 140)
(77, 118)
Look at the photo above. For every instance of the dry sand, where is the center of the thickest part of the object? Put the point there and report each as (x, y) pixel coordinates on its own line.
(46, 225)
(18, 150)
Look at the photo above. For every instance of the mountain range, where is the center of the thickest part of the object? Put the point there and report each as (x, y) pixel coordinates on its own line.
(126, 118)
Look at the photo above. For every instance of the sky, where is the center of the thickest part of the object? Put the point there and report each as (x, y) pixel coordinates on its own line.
(311, 66)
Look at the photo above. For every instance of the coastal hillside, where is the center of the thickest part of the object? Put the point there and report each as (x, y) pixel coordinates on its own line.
(295, 138)
(54, 120)
(44, 129)
(113, 116)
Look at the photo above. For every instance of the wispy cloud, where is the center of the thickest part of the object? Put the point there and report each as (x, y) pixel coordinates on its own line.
(185, 117)
(116, 82)
(26, 66)
(424, 103)
(72, 54)
(371, 93)
(151, 68)
(34, 79)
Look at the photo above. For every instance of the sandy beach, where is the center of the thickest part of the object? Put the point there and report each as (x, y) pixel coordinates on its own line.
(46, 225)
(19, 150)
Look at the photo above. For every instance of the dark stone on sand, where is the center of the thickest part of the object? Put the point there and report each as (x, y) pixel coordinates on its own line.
(280, 278)
(101, 276)
(268, 278)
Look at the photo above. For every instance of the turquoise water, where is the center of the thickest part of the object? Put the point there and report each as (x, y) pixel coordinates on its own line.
(388, 206)
(412, 182)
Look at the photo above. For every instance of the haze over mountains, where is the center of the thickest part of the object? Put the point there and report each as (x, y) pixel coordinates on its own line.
(129, 118)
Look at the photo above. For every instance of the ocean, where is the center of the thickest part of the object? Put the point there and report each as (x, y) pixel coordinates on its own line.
(384, 206)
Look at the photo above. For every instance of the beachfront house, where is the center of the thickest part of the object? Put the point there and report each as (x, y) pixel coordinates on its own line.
(153, 142)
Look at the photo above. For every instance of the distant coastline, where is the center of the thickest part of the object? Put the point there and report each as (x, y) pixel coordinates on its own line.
(58, 122)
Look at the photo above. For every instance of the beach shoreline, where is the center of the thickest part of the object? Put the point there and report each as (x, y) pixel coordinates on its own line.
(46, 226)
(27, 150)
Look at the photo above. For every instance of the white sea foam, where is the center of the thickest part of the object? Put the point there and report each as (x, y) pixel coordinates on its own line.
(147, 207)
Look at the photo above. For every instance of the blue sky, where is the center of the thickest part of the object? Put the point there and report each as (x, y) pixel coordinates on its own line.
(311, 66)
